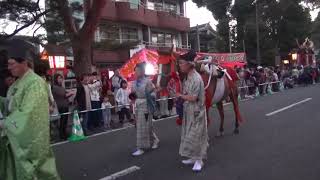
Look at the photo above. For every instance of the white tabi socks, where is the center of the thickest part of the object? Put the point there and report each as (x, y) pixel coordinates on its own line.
(155, 144)
(188, 162)
(139, 152)
(198, 165)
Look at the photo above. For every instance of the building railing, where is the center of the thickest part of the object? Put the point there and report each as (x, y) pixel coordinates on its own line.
(164, 45)
(147, 44)
(149, 7)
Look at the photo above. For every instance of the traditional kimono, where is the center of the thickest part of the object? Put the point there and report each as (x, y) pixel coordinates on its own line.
(144, 109)
(25, 152)
(194, 135)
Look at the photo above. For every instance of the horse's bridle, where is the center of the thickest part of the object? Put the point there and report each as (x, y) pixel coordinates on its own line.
(208, 59)
(210, 77)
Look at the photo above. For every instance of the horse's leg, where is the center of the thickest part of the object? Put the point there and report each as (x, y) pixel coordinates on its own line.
(237, 113)
(234, 99)
(221, 113)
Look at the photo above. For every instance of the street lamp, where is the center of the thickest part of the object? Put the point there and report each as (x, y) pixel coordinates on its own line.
(294, 56)
(286, 62)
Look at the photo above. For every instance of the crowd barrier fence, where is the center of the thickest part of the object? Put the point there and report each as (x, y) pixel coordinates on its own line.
(267, 86)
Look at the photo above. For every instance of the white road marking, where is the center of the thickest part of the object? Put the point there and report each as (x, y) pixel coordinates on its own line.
(122, 173)
(288, 107)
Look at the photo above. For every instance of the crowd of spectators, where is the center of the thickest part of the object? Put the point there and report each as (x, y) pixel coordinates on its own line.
(263, 80)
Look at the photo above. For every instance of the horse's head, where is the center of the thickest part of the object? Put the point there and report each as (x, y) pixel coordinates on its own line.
(204, 65)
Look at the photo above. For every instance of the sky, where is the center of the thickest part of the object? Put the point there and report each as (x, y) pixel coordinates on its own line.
(203, 15)
(10, 27)
(199, 15)
(196, 15)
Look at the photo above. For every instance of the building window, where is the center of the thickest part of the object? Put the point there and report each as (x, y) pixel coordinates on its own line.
(162, 39)
(154, 38)
(155, 5)
(170, 7)
(134, 4)
(129, 34)
(160, 5)
(109, 32)
(168, 39)
(113, 33)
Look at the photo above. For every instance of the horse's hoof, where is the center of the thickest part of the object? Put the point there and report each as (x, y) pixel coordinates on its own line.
(220, 134)
(236, 131)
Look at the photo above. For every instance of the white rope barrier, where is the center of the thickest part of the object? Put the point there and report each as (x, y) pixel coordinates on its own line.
(267, 83)
(161, 99)
(100, 109)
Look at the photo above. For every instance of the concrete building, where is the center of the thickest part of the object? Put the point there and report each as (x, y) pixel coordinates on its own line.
(203, 38)
(130, 25)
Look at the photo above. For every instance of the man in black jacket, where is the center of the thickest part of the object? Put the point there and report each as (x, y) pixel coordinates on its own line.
(83, 100)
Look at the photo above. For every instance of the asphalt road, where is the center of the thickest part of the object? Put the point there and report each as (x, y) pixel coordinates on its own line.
(282, 146)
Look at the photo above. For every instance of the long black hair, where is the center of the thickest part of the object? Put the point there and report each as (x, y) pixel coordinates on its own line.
(55, 79)
(122, 83)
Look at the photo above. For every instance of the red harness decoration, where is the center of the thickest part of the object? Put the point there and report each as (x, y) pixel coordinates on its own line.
(208, 97)
(232, 85)
(233, 74)
(175, 84)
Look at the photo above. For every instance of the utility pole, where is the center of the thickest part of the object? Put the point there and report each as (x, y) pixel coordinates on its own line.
(198, 39)
(230, 45)
(258, 34)
(244, 45)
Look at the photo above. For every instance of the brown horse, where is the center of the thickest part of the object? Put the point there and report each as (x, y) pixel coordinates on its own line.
(218, 89)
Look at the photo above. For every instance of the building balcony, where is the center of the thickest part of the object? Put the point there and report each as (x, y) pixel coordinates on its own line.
(165, 46)
(141, 14)
(173, 21)
(117, 57)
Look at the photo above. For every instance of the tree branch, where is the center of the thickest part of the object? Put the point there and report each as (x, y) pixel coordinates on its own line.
(92, 20)
(34, 32)
(17, 30)
(66, 14)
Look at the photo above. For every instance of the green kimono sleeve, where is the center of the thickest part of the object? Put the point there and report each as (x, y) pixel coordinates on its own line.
(27, 128)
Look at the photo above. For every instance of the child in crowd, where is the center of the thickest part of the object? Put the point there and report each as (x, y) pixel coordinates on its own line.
(122, 98)
(106, 105)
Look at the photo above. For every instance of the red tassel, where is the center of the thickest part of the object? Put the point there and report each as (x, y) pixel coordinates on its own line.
(179, 121)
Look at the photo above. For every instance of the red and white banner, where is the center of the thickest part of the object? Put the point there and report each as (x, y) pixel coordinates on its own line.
(225, 57)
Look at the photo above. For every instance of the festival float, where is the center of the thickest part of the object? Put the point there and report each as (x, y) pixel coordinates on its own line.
(304, 55)
(156, 64)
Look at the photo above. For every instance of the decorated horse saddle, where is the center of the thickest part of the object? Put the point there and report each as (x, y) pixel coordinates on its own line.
(215, 70)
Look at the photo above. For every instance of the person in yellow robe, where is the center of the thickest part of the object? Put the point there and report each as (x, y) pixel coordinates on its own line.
(25, 151)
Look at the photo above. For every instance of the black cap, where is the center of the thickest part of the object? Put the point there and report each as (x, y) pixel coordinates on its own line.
(189, 56)
(18, 49)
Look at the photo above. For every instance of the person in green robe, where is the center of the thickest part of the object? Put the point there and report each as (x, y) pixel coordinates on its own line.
(25, 151)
